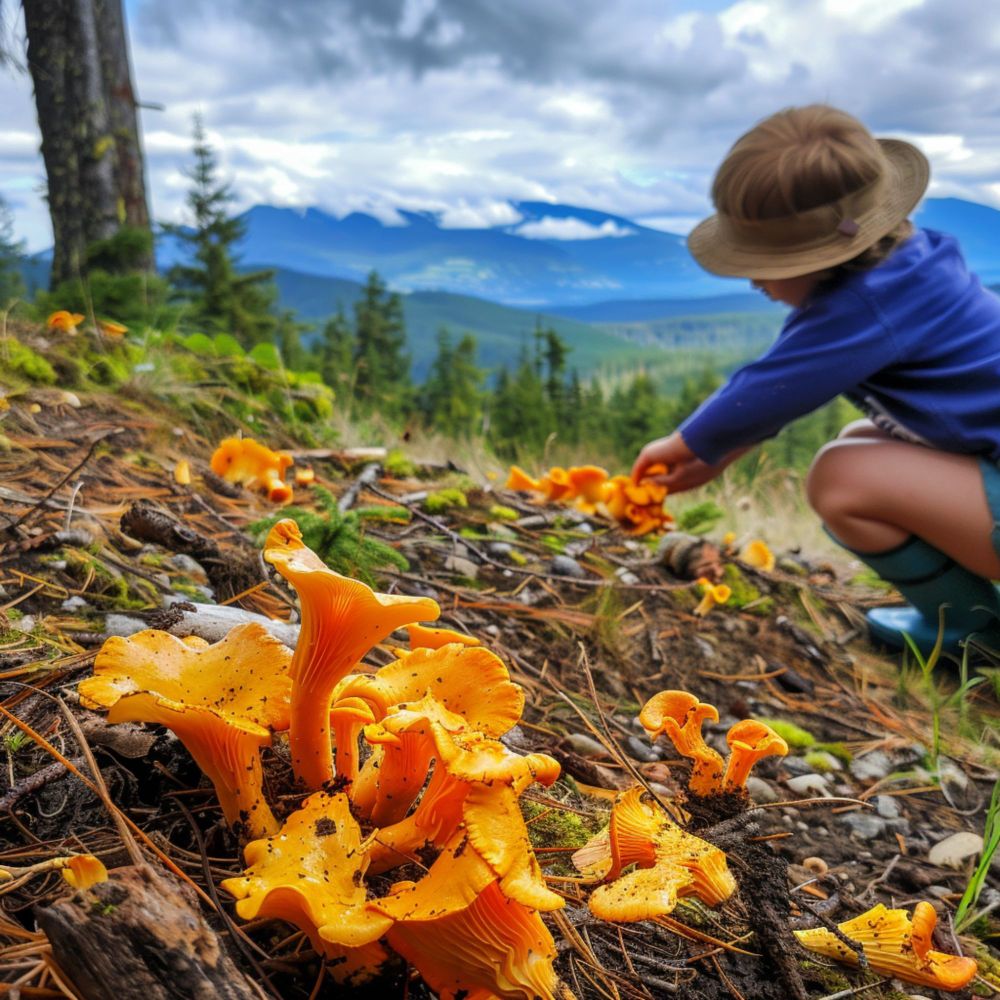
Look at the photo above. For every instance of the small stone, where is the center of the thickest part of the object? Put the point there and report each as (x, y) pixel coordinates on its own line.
(628, 578)
(586, 746)
(185, 564)
(499, 550)
(863, 825)
(953, 851)
(565, 566)
(641, 751)
(808, 785)
(75, 603)
(705, 647)
(529, 597)
(872, 766)
(887, 807)
(938, 891)
(462, 567)
(796, 766)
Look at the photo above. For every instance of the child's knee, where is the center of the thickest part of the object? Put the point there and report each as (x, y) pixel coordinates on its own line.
(827, 477)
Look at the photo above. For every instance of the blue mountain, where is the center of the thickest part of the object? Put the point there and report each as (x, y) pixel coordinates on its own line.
(541, 261)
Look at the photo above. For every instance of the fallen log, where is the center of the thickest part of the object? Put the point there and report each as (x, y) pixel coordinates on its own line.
(210, 622)
(139, 936)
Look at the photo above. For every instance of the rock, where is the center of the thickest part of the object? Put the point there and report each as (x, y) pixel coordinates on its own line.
(953, 851)
(863, 825)
(705, 647)
(872, 766)
(500, 550)
(796, 766)
(565, 566)
(529, 597)
(627, 577)
(185, 564)
(887, 807)
(793, 681)
(641, 750)
(462, 567)
(75, 603)
(586, 746)
(808, 785)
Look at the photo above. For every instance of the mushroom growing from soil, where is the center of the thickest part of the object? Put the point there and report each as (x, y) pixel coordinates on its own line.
(64, 320)
(519, 480)
(758, 555)
(749, 741)
(896, 946)
(679, 716)
(84, 870)
(672, 863)
(311, 874)
(711, 594)
(222, 701)
(243, 460)
(342, 619)
(589, 486)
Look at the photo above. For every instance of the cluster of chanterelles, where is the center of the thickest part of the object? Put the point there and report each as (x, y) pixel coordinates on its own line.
(471, 924)
(637, 507)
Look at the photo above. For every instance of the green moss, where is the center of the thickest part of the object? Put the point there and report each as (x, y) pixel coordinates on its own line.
(554, 543)
(820, 761)
(549, 826)
(837, 749)
(396, 464)
(745, 594)
(500, 513)
(517, 558)
(443, 500)
(795, 736)
(21, 360)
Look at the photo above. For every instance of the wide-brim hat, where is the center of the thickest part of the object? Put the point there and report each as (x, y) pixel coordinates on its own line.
(821, 237)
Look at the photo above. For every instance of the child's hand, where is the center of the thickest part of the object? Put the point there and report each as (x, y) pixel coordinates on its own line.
(685, 471)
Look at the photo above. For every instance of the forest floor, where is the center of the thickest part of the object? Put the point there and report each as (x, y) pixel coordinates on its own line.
(579, 612)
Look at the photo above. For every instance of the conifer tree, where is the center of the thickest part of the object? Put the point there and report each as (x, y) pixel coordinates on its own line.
(520, 416)
(382, 366)
(221, 298)
(11, 258)
(451, 398)
(335, 351)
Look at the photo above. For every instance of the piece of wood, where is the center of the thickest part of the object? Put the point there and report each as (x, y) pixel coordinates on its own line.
(210, 622)
(140, 936)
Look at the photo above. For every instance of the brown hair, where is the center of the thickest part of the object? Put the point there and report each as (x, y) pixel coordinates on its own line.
(798, 159)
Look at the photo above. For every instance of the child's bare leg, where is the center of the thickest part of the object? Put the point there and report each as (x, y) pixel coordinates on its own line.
(863, 428)
(874, 492)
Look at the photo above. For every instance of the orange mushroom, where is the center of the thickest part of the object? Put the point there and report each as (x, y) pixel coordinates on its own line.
(109, 328)
(711, 594)
(84, 870)
(311, 874)
(464, 933)
(680, 715)
(243, 460)
(182, 473)
(758, 555)
(422, 637)
(64, 320)
(222, 702)
(305, 476)
(519, 480)
(682, 864)
(589, 486)
(749, 741)
(895, 946)
(348, 716)
(555, 484)
(341, 620)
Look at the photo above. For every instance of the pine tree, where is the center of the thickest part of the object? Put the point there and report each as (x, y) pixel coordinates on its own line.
(222, 298)
(451, 398)
(382, 366)
(520, 416)
(11, 258)
(335, 351)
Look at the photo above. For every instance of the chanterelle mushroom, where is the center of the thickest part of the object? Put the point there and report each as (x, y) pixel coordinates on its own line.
(222, 701)
(341, 620)
(679, 715)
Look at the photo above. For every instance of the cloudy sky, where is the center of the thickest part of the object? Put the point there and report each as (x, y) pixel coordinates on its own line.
(458, 106)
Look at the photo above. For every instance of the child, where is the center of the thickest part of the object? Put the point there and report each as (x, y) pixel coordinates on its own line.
(814, 211)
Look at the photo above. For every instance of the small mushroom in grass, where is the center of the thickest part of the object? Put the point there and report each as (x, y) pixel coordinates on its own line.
(422, 637)
(465, 934)
(711, 595)
(222, 701)
(243, 460)
(672, 863)
(311, 874)
(896, 946)
(680, 715)
(758, 555)
(65, 321)
(182, 473)
(109, 328)
(749, 741)
(341, 620)
(519, 480)
(305, 476)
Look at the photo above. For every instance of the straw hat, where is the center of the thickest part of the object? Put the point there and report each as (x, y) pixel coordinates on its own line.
(821, 237)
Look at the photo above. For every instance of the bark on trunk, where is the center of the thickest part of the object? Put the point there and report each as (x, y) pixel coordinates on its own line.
(78, 58)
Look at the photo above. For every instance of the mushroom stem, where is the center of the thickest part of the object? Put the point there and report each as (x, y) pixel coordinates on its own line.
(309, 737)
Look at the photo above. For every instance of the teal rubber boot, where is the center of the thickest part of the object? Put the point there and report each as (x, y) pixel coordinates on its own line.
(928, 579)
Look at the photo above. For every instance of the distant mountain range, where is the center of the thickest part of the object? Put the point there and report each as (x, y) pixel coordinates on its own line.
(556, 257)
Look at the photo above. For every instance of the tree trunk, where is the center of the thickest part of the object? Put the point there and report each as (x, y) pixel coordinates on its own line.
(78, 57)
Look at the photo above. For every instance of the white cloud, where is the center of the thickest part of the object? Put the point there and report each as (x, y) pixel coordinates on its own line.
(551, 228)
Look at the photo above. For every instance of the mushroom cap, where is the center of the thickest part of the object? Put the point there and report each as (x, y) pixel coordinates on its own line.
(244, 676)
(470, 681)
(588, 482)
(679, 715)
(111, 329)
(311, 874)
(84, 870)
(518, 479)
(304, 476)
(62, 319)
(182, 472)
(555, 484)
(423, 637)
(896, 946)
(243, 460)
(641, 894)
(756, 553)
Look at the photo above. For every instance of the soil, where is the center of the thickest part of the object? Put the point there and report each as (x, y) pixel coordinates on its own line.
(794, 653)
